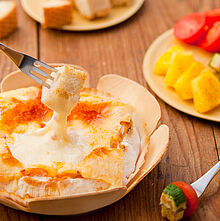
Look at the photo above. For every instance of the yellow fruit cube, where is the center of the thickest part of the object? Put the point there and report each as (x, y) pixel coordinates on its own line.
(183, 84)
(163, 62)
(206, 91)
(180, 61)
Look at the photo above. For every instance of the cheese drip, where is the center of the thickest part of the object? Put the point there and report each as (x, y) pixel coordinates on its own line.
(61, 97)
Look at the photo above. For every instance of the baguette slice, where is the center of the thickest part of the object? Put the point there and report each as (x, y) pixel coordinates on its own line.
(93, 8)
(57, 13)
(8, 18)
(116, 3)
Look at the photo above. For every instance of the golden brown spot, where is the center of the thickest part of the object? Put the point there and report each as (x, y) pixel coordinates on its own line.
(116, 141)
(35, 182)
(88, 112)
(62, 93)
(69, 174)
(23, 112)
(8, 158)
(40, 172)
(99, 152)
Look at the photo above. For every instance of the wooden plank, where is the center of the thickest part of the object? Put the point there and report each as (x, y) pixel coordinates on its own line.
(192, 149)
(216, 130)
(24, 39)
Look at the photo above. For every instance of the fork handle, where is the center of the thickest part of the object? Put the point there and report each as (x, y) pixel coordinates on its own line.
(15, 56)
(201, 184)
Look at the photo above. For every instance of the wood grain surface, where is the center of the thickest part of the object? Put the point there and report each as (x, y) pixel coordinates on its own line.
(194, 144)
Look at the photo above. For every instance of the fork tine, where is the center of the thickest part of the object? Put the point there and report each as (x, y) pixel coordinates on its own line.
(38, 80)
(39, 71)
(44, 65)
(27, 63)
(46, 85)
(35, 78)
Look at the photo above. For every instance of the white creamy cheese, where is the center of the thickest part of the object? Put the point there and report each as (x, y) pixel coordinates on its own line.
(33, 149)
(53, 143)
(57, 143)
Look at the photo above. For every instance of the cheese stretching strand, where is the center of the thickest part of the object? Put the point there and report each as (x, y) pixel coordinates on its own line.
(63, 95)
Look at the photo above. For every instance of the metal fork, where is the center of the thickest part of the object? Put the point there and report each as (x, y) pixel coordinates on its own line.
(28, 65)
(201, 184)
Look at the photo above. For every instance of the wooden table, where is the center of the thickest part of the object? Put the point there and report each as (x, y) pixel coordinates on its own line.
(194, 144)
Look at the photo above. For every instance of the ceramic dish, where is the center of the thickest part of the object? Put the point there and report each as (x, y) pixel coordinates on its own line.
(116, 16)
(157, 84)
(156, 140)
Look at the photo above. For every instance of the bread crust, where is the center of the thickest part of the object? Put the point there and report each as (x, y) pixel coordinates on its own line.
(8, 23)
(59, 15)
(116, 3)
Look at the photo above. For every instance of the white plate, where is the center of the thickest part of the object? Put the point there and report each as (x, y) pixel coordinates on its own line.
(157, 83)
(116, 16)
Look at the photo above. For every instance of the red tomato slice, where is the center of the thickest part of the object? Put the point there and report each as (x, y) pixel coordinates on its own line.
(191, 28)
(212, 40)
(212, 16)
(191, 196)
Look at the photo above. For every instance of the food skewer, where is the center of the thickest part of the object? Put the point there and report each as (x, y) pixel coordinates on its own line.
(201, 184)
(181, 199)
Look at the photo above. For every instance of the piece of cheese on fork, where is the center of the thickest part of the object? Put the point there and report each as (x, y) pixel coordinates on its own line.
(57, 13)
(8, 18)
(93, 8)
(120, 2)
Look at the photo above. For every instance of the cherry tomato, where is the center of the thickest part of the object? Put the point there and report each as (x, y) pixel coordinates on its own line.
(191, 196)
(191, 28)
(212, 40)
(212, 16)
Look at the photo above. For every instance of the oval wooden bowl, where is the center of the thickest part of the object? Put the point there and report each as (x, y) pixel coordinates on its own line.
(155, 145)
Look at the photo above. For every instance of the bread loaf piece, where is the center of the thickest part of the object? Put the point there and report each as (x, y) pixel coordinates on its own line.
(120, 2)
(8, 18)
(64, 90)
(93, 8)
(57, 13)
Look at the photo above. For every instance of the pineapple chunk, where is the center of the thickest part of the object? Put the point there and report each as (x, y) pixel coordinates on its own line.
(163, 62)
(206, 91)
(183, 84)
(180, 61)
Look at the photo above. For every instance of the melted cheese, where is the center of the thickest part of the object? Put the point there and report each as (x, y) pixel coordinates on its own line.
(32, 149)
(96, 148)
(61, 97)
(52, 141)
